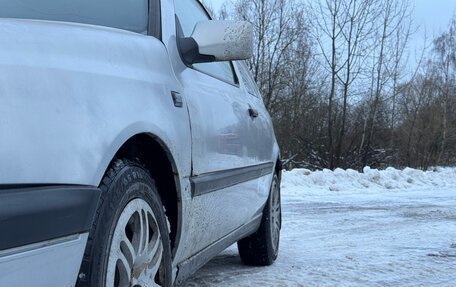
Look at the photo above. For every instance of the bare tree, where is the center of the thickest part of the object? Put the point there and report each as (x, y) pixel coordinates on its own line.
(391, 17)
(399, 72)
(445, 49)
(329, 22)
(357, 34)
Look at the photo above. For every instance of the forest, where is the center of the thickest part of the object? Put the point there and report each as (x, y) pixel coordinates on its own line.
(345, 86)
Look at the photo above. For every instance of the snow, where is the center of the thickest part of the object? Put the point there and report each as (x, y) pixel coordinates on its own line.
(344, 228)
(299, 182)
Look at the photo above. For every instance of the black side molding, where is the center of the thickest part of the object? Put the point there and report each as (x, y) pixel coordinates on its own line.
(211, 182)
(34, 214)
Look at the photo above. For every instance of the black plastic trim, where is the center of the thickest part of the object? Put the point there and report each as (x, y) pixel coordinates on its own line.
(35, 214)
(155, 23)
(190, 52)
(211, 182)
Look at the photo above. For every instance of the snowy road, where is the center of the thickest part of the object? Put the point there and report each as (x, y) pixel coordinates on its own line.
(387, 238)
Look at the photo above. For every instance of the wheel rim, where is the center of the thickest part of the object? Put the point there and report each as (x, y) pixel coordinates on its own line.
(275, 216)
(136, 248)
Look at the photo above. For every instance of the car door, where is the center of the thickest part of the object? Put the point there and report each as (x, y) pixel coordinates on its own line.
(225, 169)
(260, 128)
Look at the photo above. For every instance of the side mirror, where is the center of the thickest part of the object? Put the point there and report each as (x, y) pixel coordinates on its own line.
(215, 41)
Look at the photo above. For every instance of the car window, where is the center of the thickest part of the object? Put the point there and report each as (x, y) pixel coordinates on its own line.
(190, 12)
(129, 15)
(248, 80)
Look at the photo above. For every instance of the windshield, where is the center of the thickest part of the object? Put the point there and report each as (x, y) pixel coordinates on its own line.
(129, 15)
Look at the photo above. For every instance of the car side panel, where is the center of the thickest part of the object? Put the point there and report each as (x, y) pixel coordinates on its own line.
(72, 94)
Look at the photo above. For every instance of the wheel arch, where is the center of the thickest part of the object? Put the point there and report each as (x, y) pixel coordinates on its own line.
(158, 160)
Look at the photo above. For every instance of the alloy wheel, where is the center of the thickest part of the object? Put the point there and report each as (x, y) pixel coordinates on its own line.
(136, 250)
(276, 214)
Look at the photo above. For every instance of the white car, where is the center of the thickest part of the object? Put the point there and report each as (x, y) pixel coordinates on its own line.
(135, 145)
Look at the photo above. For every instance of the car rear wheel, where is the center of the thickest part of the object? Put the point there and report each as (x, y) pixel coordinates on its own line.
(262, 247)
(129, 242)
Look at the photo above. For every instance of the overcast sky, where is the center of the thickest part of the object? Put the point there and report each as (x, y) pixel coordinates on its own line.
(432, 16)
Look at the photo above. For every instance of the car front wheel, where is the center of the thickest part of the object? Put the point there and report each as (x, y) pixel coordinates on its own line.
(129, 242)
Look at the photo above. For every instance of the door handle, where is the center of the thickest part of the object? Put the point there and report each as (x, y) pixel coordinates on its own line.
(253, 113)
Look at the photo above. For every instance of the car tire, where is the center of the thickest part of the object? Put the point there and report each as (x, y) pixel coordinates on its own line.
(262, 247)
(129, 242)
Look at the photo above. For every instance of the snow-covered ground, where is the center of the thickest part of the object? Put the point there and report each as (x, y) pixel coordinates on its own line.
(343, 228)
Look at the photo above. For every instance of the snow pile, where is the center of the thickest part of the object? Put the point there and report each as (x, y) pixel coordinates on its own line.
(304, 181)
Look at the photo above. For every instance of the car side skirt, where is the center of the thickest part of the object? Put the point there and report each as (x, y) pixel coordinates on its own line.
(189, 266)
